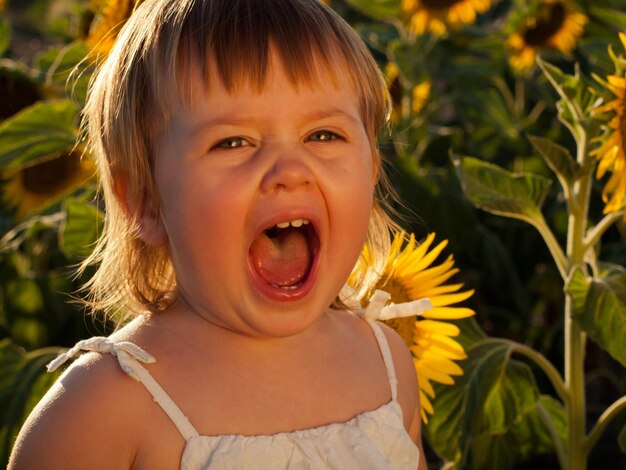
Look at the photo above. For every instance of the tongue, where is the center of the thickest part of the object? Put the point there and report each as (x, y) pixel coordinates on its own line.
(282, 260)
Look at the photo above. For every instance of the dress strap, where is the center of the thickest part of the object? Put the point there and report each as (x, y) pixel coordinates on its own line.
(129, 356)
(383, 345)
(161, 397)
(380, 307)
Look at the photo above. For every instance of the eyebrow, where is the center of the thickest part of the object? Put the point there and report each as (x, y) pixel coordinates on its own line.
(317, 115)
(331, 112)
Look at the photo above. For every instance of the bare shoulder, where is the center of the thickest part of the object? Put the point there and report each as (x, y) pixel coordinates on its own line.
(408, 391)
(86, 420)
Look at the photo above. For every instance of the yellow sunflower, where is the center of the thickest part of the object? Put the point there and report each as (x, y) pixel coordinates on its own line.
(27, 190)
(436, 16)
(20, 90)
(612, 153)
(411, 273)
(556, 24)
(419, 96)
(109, 17)
(394, 85)
(420, 93)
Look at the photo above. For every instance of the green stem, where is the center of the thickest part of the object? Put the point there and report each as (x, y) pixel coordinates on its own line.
(519, 97)
(574, 382)
(546, 366)
(594, 235)
(606, 417)
(553, 245)
(505, 92)
(534, 114)
(574, 336)
(48, 351)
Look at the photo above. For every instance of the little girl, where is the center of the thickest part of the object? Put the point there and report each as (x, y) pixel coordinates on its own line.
(236, 146)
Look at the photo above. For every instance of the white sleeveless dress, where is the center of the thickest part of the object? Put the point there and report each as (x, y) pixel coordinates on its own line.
(375, 440)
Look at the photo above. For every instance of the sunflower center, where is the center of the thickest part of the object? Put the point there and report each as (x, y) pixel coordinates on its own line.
(546, 27)
(398, 292)
(439, 4)
(48, 176)
(19, 92)
(405, 327)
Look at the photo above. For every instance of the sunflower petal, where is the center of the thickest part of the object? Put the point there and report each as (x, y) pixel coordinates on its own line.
(611, 153)
(440, 290)
(433, 374)
(434, 326)
(447, 344)
(425, 403)
(426, 387)
(448, 299)
(448, 313)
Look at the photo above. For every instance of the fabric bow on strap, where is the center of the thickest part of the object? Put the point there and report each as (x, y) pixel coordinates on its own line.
(125, 352)
(379, 310)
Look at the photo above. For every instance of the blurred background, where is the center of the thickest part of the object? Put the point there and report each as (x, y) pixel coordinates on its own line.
(464, 81)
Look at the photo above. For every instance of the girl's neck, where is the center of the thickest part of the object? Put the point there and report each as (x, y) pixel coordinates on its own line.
(199, 330)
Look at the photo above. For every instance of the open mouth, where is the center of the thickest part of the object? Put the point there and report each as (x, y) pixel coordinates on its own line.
(283, 255)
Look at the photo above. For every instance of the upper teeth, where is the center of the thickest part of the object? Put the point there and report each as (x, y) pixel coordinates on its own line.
(294, 223)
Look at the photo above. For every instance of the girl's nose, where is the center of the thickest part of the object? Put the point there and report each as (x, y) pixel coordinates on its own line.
(287, 173)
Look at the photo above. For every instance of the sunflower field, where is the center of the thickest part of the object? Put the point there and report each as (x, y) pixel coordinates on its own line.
(507, 146)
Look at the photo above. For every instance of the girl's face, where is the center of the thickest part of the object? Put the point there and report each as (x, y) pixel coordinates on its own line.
(265, 199)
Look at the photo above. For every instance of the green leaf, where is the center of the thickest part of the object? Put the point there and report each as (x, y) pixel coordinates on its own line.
(600, 306)
(526, 437)
(616, 18)
(37, 132)
(23, 381)
(578, 287)
(5, 35)
(58, 62)
(490, 419)
(378, 9)
(65, 68)
(558, 158)
(496, 399)
(82, 226)
(567, 86)
(498, 191)
(24, 295)
(10, 357)
(577, 97)
(409, 58)
(29, 331)
(558, 416)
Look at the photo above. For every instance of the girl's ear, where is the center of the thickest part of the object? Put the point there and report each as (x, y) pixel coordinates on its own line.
(141, 210)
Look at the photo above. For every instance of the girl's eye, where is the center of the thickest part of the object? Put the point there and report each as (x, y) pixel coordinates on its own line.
(323, 136)
(231, 143)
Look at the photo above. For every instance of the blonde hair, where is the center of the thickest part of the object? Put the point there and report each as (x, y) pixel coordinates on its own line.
(131, 94)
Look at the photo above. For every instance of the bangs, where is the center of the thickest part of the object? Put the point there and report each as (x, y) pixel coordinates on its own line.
(240, 39)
